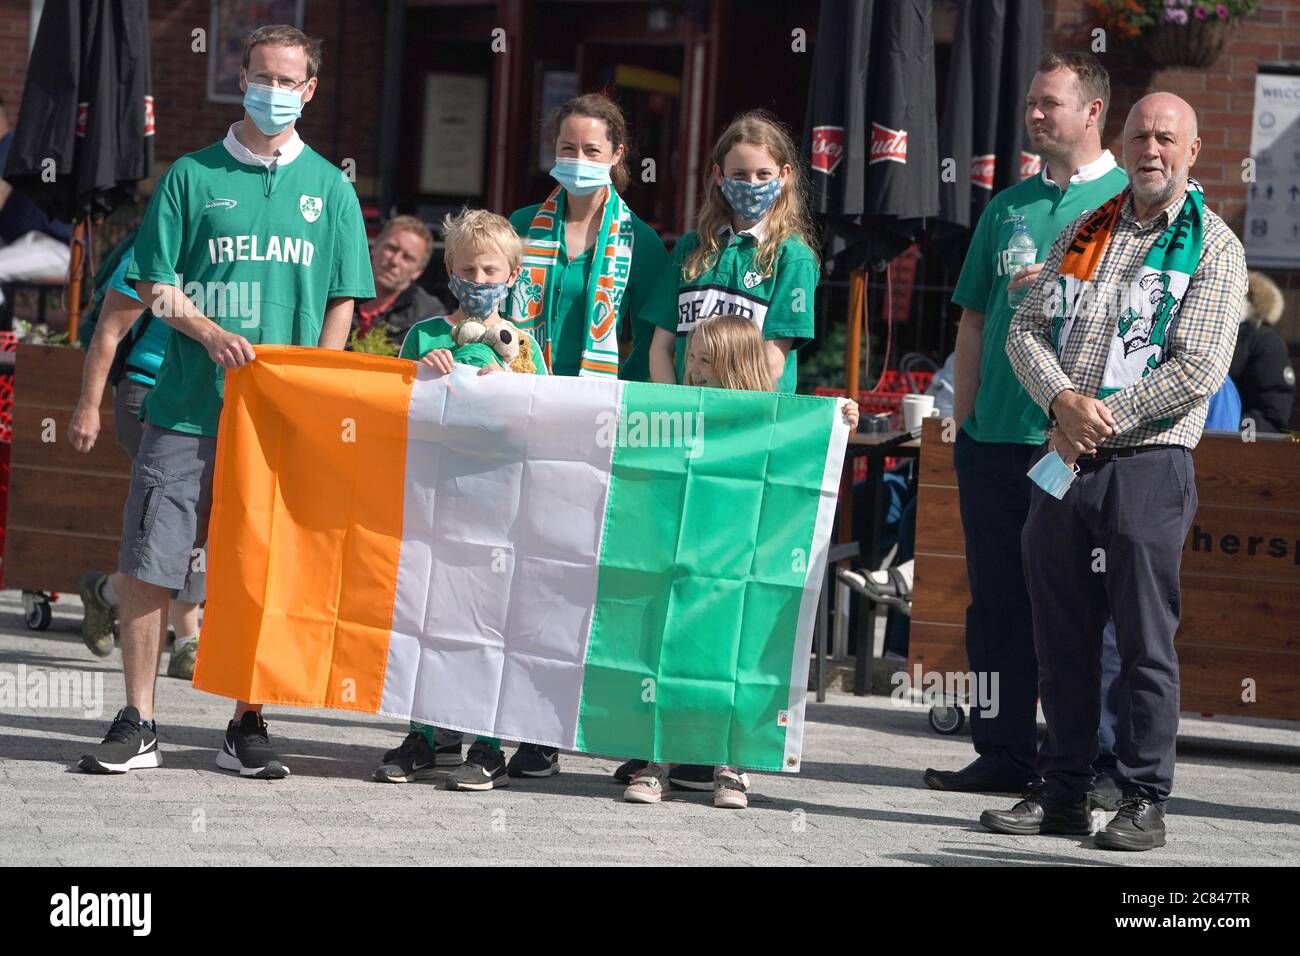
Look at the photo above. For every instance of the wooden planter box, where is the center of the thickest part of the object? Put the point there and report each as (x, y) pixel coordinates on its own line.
(1241, 611)
(65, 507)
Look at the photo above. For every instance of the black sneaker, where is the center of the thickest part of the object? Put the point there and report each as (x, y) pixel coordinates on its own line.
(625, 773)
(247, 750)
(413, 760)
(448, 753)
(129, 745)
(1139, 825)
(534, 760)
(484, 769)
(692, 776)
(448, 744)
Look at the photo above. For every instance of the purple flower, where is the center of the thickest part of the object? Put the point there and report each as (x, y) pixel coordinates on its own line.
(1200, 13)
(1222, 11)
(1176, 16)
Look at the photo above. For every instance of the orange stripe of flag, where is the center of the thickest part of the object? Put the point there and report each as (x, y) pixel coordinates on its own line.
(306, 528)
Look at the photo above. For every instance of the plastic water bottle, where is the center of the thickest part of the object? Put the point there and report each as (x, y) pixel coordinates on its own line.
(1021, 252)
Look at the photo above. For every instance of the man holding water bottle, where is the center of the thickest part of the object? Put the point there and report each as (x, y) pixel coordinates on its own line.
(1000, 425)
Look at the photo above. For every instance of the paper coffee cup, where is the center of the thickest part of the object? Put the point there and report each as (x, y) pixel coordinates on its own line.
(916, 408)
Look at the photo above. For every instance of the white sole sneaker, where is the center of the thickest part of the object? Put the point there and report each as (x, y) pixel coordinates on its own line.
(228, 761)
(642, 796)
(143, 761)
(424, 773)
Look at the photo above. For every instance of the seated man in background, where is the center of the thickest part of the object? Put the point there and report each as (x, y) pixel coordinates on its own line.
(397, 258)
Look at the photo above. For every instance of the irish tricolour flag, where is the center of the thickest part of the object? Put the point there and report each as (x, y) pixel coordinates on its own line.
(595, 565)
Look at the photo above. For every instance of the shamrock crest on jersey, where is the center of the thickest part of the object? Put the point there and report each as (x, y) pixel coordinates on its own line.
(311, 207)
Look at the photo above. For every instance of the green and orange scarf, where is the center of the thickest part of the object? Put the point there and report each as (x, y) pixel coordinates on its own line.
(1150, 305)
(532, 299)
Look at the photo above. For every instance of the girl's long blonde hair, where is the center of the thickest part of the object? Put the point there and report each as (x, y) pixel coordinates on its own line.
(788, 215)
(735, 346)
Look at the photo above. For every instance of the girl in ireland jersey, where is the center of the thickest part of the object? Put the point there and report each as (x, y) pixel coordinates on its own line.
(725, 351)
(751, 253)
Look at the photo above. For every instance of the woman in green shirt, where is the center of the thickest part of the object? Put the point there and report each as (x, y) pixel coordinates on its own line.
(590, 263)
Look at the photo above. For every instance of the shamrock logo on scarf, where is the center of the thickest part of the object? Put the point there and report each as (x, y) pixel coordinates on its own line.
(1139, 331)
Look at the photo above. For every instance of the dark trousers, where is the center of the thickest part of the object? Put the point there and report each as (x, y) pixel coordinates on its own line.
(994, 495)
(1112, 548)
(1110, 668)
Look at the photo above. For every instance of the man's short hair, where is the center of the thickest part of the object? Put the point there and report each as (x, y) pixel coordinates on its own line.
(482, 230)
(409, 224)
(1094, 81)
(281, 34)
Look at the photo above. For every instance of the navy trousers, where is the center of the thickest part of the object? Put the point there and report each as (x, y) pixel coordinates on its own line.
(994, 495)
(1112, 548)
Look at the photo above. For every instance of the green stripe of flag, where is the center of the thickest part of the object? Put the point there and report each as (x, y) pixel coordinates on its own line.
(709, 525)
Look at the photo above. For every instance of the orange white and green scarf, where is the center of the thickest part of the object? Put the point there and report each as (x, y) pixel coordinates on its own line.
(1149, 309)
(532, 300)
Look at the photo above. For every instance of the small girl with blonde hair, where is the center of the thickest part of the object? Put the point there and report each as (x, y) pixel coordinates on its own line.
(726, 351)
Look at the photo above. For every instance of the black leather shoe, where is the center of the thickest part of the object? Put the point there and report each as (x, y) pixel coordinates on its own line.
(986, 774)
(1104, 794)
(1139, 825)
(1036, 814)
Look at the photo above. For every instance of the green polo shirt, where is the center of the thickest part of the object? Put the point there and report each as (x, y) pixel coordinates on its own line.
(1003, 411)
(779, 303)
(572, 277)
(259, 251)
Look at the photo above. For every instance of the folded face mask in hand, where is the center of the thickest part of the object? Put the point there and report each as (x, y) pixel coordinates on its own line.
(1053, 475)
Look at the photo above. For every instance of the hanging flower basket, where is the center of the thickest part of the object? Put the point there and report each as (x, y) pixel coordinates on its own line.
(1173, 32)
(1195, 43)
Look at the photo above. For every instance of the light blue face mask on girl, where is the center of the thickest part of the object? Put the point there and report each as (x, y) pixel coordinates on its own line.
(271, 109)
(477, 300)
(580, 176)
(1053, 475)
(751, 200)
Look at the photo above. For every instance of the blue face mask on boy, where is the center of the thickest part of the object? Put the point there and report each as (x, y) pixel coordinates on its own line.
(751, 200)
(1053, 475)
(477, 300)
(271, 109)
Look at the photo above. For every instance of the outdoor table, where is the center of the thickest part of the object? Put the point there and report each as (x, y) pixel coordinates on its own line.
(875, 448)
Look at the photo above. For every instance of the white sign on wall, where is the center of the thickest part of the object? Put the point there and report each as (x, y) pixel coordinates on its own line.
(454, 134)
(1272, 229)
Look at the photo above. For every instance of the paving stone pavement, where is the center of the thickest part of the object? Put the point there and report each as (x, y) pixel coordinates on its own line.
(859, 799)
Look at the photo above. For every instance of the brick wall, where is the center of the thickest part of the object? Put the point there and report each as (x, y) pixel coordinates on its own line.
(1222, 94)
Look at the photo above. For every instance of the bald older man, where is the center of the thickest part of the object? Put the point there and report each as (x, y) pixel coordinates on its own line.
(1122, 339)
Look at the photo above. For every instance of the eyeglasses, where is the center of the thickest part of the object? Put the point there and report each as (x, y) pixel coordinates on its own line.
(280, 82)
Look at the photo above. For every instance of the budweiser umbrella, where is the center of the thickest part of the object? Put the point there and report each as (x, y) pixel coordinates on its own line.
(84, 135)
(996, 48)
(870, 131)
